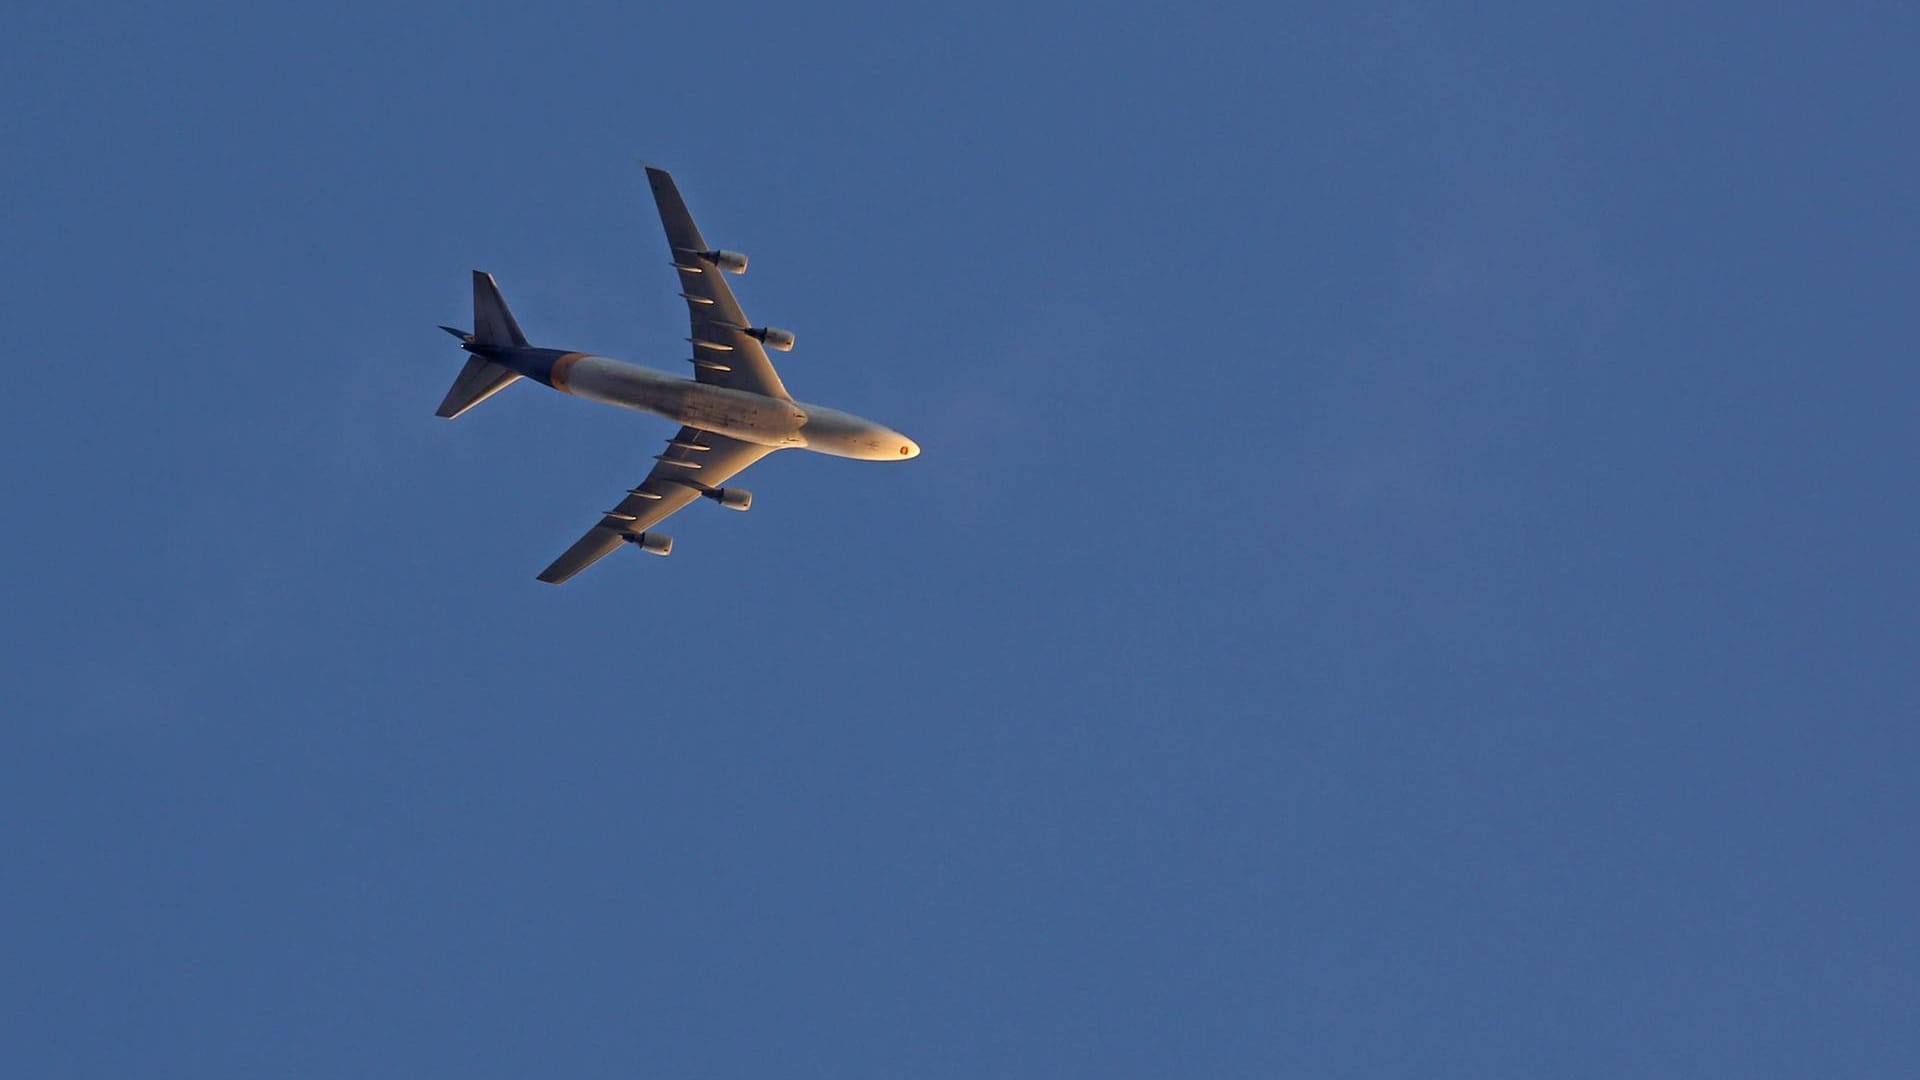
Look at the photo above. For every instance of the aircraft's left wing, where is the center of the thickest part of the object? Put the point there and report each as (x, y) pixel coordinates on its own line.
(695, 461)
(724, 354)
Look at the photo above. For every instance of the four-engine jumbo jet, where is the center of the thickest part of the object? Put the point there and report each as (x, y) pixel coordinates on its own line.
(733, 412)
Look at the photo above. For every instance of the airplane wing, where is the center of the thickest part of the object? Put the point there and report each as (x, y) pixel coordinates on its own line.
(723, 353)
(695, 461)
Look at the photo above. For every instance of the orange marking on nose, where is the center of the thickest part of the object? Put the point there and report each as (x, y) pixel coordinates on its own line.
(560, 368)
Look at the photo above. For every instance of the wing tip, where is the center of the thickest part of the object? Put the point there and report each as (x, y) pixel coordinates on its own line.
(557, 572)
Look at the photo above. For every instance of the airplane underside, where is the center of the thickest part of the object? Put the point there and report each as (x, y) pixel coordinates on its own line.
(733, 412)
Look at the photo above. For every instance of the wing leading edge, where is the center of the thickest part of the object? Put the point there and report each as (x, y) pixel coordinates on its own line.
(695, 461)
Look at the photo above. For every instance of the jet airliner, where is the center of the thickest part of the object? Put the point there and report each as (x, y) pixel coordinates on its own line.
(733, 412)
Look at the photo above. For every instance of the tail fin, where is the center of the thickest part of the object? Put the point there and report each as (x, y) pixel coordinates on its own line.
(493, 324)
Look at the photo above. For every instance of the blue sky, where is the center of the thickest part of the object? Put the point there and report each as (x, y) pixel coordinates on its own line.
(1410, 574)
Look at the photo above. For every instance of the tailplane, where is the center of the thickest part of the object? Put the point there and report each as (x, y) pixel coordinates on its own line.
(493, 324)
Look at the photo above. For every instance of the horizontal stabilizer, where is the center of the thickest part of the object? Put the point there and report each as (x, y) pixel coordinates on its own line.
(478, 381)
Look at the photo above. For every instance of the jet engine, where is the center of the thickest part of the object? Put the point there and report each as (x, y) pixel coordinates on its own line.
(651, 543)
(731, 498)
(731, 261)
(773, 336)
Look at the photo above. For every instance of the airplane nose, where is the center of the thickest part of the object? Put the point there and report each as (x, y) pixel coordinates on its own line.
(908, 448)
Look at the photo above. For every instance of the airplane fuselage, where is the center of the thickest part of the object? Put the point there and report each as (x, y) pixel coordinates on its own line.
(756, 418)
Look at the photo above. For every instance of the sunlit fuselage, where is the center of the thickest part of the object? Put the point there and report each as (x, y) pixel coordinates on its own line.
(737, 414)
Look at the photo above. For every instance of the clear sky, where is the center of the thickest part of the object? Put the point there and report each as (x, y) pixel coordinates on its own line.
(1411, 573)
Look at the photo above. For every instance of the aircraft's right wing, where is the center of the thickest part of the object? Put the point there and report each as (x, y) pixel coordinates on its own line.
(723, 353)
(694, 462)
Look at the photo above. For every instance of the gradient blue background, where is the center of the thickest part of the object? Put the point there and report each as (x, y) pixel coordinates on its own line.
(1411, 572)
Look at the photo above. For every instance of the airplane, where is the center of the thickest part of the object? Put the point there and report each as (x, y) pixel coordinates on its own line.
(733, 412)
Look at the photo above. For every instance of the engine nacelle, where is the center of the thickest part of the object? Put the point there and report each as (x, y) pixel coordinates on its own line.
(773, 337)
(731, 261)
(731, 498)
(651, 543)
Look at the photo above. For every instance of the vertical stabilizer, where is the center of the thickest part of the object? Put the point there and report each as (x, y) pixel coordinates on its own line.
(492, 323)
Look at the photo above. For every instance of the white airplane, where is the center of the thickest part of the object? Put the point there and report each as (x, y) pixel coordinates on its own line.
(734, 411)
